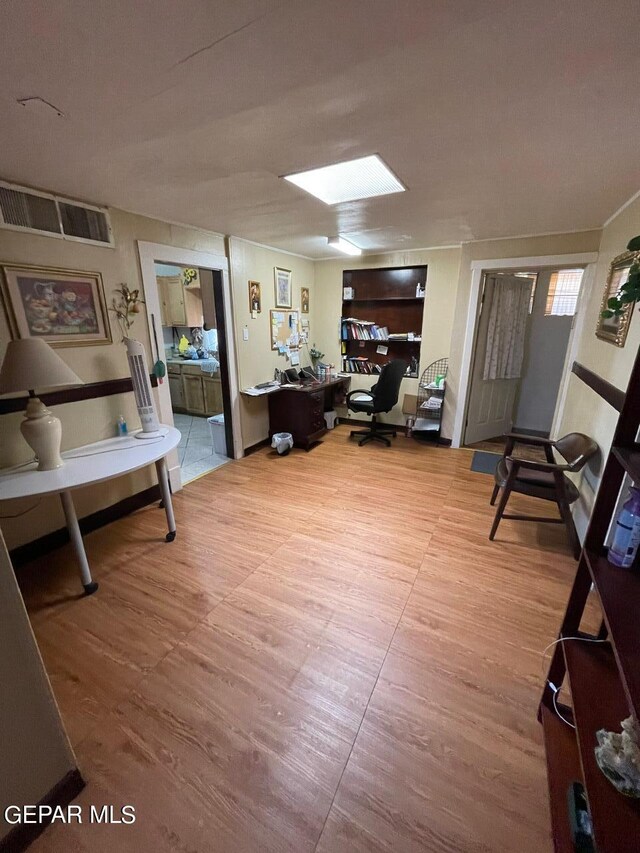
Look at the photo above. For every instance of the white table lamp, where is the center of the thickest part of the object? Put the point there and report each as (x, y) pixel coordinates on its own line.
(28, 364)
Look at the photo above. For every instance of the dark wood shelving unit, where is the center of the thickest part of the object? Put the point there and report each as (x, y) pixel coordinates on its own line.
(599, 703)
(386, 297)
(604, 677)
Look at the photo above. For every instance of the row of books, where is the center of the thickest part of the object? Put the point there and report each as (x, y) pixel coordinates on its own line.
(361, 330)
(360, 365)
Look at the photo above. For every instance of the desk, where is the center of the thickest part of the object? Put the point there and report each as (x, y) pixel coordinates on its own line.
(300, 409)
(94, 463)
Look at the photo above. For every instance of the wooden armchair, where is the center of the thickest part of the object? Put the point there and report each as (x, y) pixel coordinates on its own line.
(544, 480)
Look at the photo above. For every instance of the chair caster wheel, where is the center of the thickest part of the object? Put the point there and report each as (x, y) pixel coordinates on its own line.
(171, 535)
(90, 588)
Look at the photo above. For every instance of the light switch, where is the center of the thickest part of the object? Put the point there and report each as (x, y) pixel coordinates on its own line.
(245, 333)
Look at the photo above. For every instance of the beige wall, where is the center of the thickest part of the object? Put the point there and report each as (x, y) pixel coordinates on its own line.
(438, 319)
(584, 410)
(256, 359)
(89, 420)
(519, 247)
(35, 753)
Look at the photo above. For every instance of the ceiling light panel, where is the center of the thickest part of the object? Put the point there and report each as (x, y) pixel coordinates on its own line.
(344, 245)
(365, 177)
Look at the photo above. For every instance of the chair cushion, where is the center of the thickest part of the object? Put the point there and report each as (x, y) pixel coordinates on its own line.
(537, 481)
(363, 405)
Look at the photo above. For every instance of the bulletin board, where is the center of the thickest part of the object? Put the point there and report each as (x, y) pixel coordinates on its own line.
(285, 331)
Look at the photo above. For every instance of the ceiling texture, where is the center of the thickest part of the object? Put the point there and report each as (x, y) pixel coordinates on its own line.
(502, 118)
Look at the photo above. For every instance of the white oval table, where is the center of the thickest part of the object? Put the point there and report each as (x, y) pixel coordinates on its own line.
(94, 463)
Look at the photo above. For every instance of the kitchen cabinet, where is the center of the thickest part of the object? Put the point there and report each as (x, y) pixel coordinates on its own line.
(176, 391)
(212, 388)
(193, 391)
(179, 305)
(193, 394)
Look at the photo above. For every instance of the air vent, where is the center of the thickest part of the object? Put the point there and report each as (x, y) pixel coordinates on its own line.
(28, 210)
(23, 209)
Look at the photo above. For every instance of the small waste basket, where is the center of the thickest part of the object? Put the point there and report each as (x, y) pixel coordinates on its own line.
(282, 442)
(330, 418)
(216, 425)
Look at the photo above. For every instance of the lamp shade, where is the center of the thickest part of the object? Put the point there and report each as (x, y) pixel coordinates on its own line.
(31, 363)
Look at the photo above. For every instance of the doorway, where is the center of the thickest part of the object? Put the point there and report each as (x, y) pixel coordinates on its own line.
(213, 277)
(523, 332)
(194, 353)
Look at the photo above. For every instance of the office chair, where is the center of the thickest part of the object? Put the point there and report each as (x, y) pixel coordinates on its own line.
(545, 480)
(383, 397)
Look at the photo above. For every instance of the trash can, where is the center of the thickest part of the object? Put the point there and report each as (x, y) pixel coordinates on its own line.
(218, 438)
(282, 442)
(330, 418)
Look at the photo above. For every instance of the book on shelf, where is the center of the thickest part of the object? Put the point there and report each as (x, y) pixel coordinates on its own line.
(363, 330)
(360, 364)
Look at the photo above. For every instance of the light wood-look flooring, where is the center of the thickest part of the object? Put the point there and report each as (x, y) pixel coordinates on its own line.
(331, 656)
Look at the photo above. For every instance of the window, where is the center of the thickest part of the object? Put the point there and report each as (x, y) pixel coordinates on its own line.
(562, 295)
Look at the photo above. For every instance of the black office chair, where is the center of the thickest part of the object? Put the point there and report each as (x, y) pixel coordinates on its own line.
(383, 397)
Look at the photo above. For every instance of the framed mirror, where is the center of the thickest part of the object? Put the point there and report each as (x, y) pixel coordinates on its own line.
(614, 329)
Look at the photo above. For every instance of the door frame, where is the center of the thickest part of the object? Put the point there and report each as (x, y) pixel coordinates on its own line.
(149, 254)
(478, 270)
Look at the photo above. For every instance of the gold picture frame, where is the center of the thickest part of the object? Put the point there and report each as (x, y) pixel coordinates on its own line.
(65, 307)
(282, 280)
(304, 300)
(615, 329)
(255, 297)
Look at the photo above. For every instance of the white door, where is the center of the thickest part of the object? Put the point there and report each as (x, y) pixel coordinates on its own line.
(491, 401)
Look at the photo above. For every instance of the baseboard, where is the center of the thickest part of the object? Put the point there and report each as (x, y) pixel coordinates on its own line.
(24, 834)
(253, 448)
(444, 442)
(57, 538)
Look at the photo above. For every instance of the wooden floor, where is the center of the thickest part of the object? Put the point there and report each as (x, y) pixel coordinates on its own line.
(331, 656)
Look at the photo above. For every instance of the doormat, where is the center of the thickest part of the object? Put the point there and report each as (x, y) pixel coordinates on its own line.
(484, 462)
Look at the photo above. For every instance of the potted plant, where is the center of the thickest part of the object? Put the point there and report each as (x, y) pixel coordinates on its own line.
(630, 290)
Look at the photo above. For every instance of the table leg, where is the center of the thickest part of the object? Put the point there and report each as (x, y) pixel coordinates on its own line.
(90, 586)
(163, 480)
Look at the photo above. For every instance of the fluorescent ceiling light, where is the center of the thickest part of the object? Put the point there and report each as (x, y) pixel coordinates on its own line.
(362, 178)
(344, 246)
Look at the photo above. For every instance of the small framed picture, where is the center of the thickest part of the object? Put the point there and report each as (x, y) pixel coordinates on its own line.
(64, 307)
(283, 287)
(255, 297)
(304, 300)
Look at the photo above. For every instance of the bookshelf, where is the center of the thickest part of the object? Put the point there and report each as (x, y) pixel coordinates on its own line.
(383, 312)
(604, 679)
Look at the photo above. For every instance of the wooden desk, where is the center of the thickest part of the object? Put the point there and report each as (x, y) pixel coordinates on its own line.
(300, 410)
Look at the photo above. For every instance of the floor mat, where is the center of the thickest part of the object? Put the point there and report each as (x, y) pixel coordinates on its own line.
(485, 463)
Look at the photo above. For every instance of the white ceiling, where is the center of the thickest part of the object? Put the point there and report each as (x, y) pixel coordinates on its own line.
(503, 117)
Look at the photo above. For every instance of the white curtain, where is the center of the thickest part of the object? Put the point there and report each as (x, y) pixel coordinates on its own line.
(510, 296)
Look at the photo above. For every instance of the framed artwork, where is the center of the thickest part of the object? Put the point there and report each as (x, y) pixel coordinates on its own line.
(283, 287)
(614, 329)
(255, 297)
(304, 300)
(65, 307)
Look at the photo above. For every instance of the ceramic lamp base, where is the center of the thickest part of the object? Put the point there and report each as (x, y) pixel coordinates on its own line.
(43, 433)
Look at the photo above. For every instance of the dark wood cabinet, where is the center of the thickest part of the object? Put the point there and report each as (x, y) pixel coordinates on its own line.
(300, 410)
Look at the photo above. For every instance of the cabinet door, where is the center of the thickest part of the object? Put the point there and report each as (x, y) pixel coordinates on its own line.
(193, 394)
(164, 308)
(212, 395)
(193, 305)
(176, 391)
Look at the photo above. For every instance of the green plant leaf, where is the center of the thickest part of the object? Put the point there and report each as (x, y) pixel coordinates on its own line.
(606, 315)
(626, 298)
(613, 303)
(634, 244)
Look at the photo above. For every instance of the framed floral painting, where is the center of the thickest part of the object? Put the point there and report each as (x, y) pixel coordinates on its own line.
(304, 300)
(64, 307)
(283, 287)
